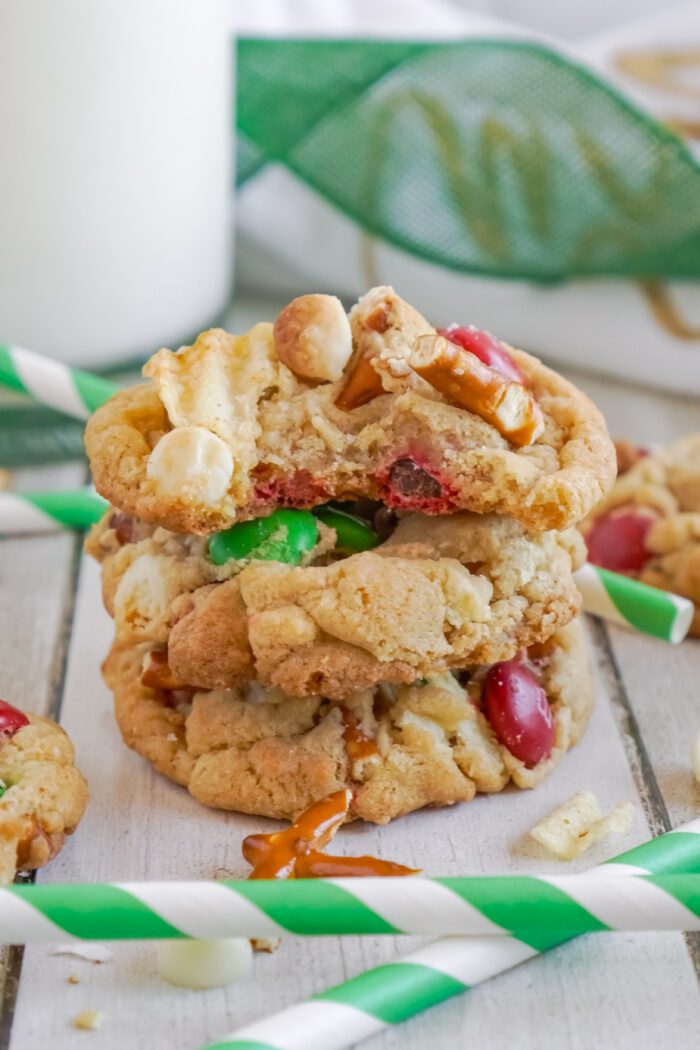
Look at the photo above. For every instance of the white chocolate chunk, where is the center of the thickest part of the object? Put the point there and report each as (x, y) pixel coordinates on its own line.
(191, 462)
(144, 592)
(574, 826)
(217, 384)
(204, 964)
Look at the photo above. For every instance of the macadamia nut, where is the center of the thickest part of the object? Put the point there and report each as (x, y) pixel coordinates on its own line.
(313, 337)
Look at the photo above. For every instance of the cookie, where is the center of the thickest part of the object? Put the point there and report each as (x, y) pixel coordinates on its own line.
(398, 748)
(42, 794)
(438, 593)
(649, 524)
(321, 407)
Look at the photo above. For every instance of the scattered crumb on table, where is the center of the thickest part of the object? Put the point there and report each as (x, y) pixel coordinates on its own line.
(573, 827)
(88, 1020)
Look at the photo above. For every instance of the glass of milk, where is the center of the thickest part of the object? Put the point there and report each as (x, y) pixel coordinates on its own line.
(116, 141)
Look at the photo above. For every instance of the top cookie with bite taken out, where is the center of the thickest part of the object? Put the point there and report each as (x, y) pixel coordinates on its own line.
(324, 406)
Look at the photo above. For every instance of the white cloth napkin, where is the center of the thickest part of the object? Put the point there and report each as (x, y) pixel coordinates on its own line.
(289, 240)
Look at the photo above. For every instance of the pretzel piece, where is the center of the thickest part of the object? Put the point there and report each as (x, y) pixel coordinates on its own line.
(461, 377)
(363, 385)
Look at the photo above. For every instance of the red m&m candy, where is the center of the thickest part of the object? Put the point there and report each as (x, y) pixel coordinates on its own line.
(616, 541)
(487, 348)
(11, 719)
(516, 705)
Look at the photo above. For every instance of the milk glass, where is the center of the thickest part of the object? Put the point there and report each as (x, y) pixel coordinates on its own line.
(116, 138)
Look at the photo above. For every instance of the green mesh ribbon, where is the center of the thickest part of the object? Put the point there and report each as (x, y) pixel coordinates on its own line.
(484, 156)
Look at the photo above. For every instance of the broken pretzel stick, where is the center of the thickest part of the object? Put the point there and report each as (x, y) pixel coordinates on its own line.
(461, 377)
(363, 385)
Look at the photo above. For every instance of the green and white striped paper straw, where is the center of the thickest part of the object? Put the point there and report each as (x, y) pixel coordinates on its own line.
(387, 995)
(633, 604)
(530, 908)
(26, 512)
(52, 383)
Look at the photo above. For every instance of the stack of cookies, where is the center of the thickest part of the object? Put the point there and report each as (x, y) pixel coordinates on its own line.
(340, 554)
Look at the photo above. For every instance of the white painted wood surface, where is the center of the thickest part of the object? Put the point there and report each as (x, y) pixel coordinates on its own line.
(626, 991)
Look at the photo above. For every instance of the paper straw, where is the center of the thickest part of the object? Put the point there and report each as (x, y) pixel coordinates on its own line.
(633, 604)
(27, 512)
(539, 908)
(52, 383)
(386, 995)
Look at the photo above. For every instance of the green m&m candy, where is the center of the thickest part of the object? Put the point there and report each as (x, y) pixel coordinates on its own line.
(352, 534)
(286, 535)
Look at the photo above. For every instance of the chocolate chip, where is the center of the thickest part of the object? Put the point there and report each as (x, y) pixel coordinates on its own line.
(124, 526)
(410, 480)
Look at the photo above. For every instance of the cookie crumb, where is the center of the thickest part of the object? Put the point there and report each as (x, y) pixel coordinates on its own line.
(265, 944)
(88, 1020)
(73, 979)
(573, 827)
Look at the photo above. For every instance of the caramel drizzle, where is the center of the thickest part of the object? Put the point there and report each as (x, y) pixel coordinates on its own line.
(321, 866)
(274, 856)
(157, 674)
(296, 852)
(358, 746)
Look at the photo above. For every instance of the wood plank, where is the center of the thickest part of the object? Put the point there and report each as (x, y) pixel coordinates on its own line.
(662, 685)
(592, 993)
(37, 583)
